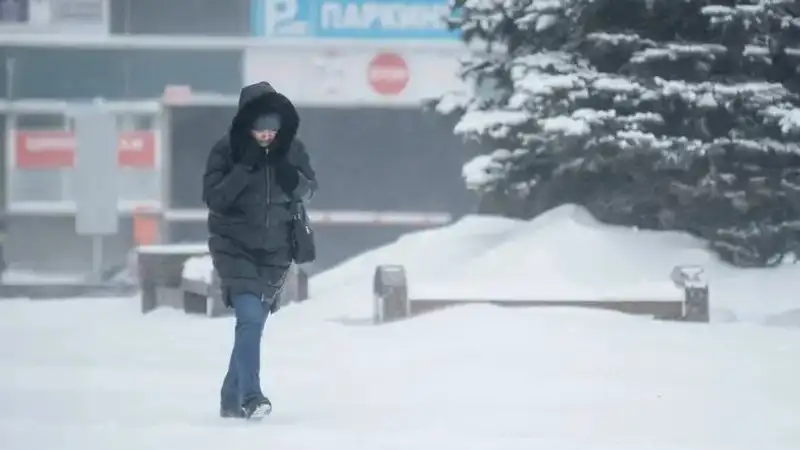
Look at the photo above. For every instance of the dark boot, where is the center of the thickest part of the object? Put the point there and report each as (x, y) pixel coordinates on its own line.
(257, 408)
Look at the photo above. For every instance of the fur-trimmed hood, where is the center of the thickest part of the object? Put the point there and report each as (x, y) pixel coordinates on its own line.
(254, 100)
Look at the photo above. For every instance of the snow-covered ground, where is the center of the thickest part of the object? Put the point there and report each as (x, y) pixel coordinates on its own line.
(95, 374)
(29, 276)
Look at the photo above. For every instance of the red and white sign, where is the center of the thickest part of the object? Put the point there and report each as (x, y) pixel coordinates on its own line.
(56, 148)
(388, 73)
(370, 76)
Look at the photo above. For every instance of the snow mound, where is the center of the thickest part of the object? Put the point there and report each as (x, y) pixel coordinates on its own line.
(564, 254)
(425, 254)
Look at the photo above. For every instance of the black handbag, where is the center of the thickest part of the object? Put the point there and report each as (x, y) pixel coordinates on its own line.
(304, 248)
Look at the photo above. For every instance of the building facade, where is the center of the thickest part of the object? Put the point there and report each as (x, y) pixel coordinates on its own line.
(171, 71)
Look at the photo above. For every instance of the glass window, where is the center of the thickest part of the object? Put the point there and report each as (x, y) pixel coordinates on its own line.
(181, 17)
(40, 122)
(69, 73)
(42, 153)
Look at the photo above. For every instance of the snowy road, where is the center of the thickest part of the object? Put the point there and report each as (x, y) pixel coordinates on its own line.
(94, 374)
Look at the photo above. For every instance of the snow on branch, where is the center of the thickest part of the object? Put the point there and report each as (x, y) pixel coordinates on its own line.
(712, 94)
(495, 123)
(673, 52)
(757, 145)
(452, 101)
(485, 170)
(788, 118)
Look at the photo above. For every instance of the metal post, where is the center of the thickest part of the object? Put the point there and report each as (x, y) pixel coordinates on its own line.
(164, 166)
(696, 301)
(97, 258)
(390, 293)
(11, 69)
(95, 179)
(9, 138)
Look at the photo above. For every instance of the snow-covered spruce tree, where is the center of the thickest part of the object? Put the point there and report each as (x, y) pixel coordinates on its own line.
(655, 113)
(730, 133)
(522, 84)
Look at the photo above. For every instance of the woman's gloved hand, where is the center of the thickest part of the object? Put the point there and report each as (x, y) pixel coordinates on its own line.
(287, 176)
(252, 157)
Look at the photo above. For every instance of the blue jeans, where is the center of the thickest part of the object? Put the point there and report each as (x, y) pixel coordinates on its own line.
(242, 383)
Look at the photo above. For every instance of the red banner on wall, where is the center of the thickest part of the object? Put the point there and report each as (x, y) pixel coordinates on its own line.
(56, 148)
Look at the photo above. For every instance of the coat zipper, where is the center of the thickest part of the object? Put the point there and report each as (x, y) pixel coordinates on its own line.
(268, 178)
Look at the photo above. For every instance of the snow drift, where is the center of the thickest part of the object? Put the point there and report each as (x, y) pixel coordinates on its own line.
(562, 254)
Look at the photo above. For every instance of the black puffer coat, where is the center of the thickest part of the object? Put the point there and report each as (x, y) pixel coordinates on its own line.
(249, 208)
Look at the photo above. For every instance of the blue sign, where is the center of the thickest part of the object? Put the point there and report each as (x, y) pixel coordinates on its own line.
(352, 19)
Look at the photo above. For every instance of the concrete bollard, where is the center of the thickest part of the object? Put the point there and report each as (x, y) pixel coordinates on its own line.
(696, 303)
(390, 291)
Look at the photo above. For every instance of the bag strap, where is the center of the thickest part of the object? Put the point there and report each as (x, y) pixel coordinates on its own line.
(297, 208)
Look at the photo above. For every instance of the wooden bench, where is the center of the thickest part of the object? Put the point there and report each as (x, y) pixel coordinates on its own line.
(162, 282)
(200, 297)
(161, 273)
(391, 300)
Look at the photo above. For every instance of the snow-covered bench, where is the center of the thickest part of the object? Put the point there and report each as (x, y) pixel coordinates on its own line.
(182, 276)
(393, 302)
(161, 273)
(200, 288)
(202, 293)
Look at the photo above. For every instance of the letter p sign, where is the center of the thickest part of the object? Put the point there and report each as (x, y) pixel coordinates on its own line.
(281, 18)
